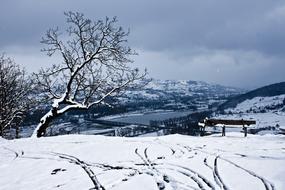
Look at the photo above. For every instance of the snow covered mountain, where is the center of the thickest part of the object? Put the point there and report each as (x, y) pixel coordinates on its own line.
(260, 105)
(266, 91)
(179, 94)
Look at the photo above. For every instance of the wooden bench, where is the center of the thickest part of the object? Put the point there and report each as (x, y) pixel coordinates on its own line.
(213, 122)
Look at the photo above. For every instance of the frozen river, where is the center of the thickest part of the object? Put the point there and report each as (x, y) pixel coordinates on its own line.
(144, 118)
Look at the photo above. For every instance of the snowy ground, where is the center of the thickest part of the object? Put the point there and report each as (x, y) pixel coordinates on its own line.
(146, 163)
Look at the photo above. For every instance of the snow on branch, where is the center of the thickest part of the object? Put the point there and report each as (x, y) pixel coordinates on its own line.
(95, 65)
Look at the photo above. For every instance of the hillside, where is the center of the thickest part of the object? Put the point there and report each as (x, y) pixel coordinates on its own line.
(179, 94)
(266, 91)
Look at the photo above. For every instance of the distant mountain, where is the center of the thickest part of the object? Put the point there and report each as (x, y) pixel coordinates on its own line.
(180, 94)
(259, 104)
(266, 91)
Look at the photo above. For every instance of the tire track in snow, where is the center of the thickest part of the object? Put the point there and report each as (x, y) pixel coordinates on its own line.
(217, 176)
(166, 178)
(146, 156)
(14, 152)
(119, 181)
(185, 186)
(206, 163)
(107, 167)
(84, 166)
(267, 184)
(189, 150)
(153, 171)
(190, 175)
(174, 152)
(193, 173)
(141, 157)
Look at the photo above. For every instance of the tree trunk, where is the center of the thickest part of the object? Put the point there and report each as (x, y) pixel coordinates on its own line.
(49, 117)
(44, 123)
(17, 132)
(42, 128)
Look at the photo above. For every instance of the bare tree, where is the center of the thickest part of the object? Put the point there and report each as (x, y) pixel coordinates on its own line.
(14, 95)
(94, 66)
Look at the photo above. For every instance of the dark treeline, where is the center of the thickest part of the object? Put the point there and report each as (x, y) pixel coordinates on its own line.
(187, 125)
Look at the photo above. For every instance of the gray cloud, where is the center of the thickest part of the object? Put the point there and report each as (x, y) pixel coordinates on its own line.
(193, 38)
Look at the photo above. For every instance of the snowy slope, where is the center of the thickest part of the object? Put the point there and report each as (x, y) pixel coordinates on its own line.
(149, 163)
(159, 88)
(180, 92)
(260, 104)
(265, 91)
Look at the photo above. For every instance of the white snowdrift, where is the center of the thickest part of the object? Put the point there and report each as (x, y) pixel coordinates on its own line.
(169, 162)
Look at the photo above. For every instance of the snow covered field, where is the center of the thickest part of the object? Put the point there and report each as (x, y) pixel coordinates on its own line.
(169, 162)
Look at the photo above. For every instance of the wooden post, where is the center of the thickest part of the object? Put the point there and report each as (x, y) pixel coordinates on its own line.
(244, 129)
(202, 130)
(224, 130)
(17, 132)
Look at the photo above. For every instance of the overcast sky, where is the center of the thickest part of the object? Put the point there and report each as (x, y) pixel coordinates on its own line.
(231, 42)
